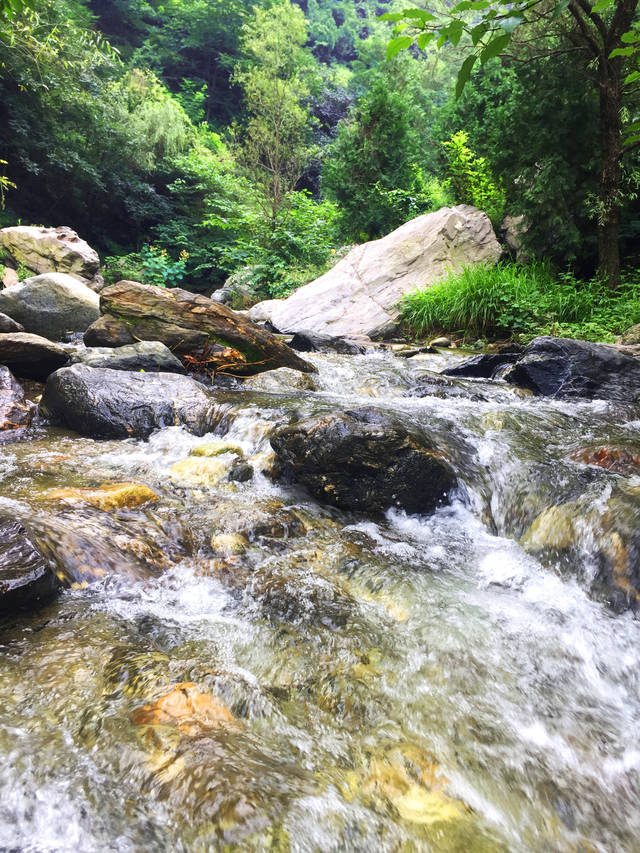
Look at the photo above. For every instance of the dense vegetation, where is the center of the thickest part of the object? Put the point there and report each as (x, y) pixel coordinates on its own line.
(191, 140)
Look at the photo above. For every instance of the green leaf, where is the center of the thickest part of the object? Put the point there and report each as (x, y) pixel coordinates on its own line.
(560, 7)
(622, 51)
(470, 4)
(464, 74)
(442, 40)
(631, 78)
(495, 47)
(423, 39)
(478, 32)
(420, 14)
(631, 140)
(397, 44)
(602, 5)
(391, 16)
(454, 31)
(630, 38)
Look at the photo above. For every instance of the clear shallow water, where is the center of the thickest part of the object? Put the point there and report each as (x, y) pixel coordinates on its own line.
(404, 684)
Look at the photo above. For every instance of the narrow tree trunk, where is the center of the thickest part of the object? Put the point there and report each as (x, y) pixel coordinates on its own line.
(611, 172)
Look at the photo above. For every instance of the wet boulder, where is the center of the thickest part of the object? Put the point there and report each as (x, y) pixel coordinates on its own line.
(104, 403)
(208, 334)
(31, 356)
(26, 577)
(364, 460)
(51, 305)
(567, 369)
(44, 250)
(150, 356)
(15, 410)
(485, 366)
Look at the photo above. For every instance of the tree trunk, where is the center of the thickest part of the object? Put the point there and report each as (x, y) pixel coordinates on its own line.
(611, 171)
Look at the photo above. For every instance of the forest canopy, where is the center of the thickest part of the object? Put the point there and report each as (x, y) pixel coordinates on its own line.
(192, 140)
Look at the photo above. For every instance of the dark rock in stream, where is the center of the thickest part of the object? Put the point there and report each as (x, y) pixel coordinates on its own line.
(104, 403)
(316, 342)
(485, 366)
(26, 577)
(364, 460)
(562, 368)
(568, 369)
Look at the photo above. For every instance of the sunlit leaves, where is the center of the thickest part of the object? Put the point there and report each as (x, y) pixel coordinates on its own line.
(397, 44)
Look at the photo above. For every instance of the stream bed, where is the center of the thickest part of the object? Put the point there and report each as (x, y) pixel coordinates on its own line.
(237, 667)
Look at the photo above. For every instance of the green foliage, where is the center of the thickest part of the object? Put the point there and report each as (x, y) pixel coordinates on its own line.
(150, 265)
(523, 302)
(371, 168)
(545, 154)
(295, 249)
(5, 184)
(276, 81)
(471, 180)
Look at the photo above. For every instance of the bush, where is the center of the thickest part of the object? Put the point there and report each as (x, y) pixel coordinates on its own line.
(150, 266)
(471, 180)
(523, 302)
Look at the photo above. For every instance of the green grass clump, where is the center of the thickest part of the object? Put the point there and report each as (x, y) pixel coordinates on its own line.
(522, 302)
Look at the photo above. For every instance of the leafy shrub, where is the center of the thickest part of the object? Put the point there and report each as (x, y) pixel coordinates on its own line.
(150, 265)
(523, 301)
(471, 180)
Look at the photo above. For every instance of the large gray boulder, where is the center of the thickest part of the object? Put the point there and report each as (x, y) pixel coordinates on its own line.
(51, 305)
(44, 250)
(360, 295)
(149, 356)
(104, 403)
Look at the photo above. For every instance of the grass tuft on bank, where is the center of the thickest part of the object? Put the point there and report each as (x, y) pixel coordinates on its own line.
(522, 302)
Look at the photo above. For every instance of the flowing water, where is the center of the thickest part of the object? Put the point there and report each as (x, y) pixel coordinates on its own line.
(236, 667)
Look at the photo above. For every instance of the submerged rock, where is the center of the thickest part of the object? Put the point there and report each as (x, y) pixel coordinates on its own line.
(26, 577)
(108, 497)
(598, 541)
(281, 380)
(103, 403)
(150, 356)
(364, 460)
(210, 333)
(15, 411)
(186, 706)
(200, 471)
(51, 305)
(31, 356)
(360, 295)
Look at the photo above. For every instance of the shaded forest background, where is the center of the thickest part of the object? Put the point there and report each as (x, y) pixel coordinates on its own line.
(190, 140)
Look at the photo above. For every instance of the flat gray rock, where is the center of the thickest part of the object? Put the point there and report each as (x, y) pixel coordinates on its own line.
(149, 356)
